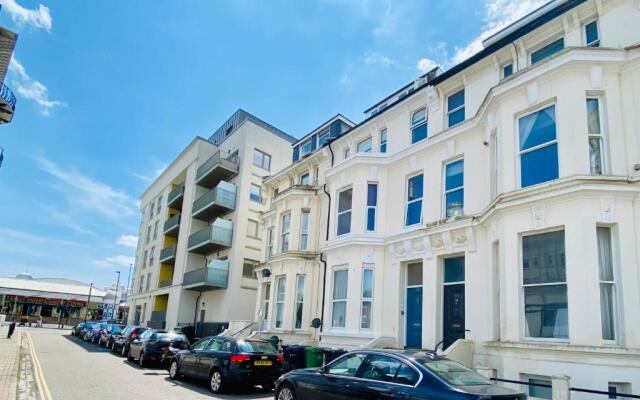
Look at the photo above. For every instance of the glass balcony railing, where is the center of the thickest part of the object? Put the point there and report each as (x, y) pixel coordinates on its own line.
(217, 236)
(213, 276)
(218, 167)
(172, 226)
(168, 254)
(174, 199)
(217, 201)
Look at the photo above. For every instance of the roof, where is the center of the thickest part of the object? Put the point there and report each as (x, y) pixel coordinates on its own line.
(47, 286)
(326, 124)
(237, 119)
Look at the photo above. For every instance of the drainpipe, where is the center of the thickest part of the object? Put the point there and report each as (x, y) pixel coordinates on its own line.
(195, 314)
(324, 262)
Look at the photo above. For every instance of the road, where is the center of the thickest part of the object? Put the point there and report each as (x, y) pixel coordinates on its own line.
(76, 370)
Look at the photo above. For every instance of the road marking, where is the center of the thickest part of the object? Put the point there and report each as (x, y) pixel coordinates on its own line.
(45, 394)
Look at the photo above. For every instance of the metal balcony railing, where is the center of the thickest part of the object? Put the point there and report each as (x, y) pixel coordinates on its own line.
(174, 199)
(168, 254)
(217, 201)
(213, 276)
(165, 283)
(172, 226)
(216, 236)
(7, 95)
(219, 166)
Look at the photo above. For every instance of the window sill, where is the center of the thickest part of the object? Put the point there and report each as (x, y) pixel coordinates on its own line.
(556, 346)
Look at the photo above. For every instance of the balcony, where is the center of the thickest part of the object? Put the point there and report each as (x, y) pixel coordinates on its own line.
(7, 104)
(214, 276)
(217, 201)
(168, 254)
(216, 236)
(219, 166)
(158, 320)
(165, 283)
(174, 199)
(172, 226)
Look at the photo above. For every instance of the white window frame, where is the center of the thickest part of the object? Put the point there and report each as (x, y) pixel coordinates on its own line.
(253, 185)
(614, 288)
(543, 44)
(339, 213)
(505, 65)
(406, 200)
(464, 103)
(383, 141)
(540, 146)
(419, 123)
(279, 304)
(596, 43)
(253, 234)
(264, 158)
(305, 143)
(321, 137)
(444, 185)
(308, 176)
(285, 232)
(270, 237)
(374, 208)
(367, 267)
(362, 142)
(333, 300)
(266, 288)
(304, 231)
(602, 136)
(299, 301)
(346, 152)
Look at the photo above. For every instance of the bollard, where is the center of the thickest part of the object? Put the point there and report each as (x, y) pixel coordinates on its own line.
(560, 387)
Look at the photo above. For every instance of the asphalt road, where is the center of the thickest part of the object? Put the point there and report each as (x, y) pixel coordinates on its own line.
(74, 369)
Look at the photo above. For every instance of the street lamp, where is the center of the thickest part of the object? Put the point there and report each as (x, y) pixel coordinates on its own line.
(115, 298)
(88, 302)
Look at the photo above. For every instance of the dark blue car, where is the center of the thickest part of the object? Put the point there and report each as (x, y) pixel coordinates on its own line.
(387, 374)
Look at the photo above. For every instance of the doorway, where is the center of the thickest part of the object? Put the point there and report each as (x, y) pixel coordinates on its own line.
(453, 315)
(413, 316)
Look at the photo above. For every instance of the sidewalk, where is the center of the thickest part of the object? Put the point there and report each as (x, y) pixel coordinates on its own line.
(9, 362)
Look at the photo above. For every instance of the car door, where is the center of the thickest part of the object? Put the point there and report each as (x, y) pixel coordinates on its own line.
(384, 377)
(211, 355)
(188, 361)
(335, 380)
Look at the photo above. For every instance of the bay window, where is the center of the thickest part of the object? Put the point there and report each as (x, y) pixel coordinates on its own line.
(285, 229)
(339, 298)
(299, 302)
(547, 51)
(455, 108)
(607, 283)
(270, 242)
(364, 146)
(344, 211)
(304, 231)
(383, 141)
(538, 147)
(372, 203)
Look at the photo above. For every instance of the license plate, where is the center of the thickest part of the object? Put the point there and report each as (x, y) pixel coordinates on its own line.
(263, 363)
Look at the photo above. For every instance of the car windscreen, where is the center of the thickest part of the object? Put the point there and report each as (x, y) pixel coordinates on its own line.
(252, 346)
(116, 328)
(454, 373)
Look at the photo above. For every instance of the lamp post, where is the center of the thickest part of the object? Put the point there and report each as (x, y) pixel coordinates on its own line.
(88, 302)
(115, 298)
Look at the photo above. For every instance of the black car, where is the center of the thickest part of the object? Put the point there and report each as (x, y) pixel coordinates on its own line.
(106, 336)
(387, 374)
(75, 331)
(151, 345)
(224, 361)
(122, 340)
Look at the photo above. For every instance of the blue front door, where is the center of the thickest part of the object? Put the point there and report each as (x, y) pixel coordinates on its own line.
(414, 318)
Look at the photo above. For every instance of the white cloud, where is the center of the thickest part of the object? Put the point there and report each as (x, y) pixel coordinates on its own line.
(85, 192)
(115, 261)
(128, 241)
(31, 89)
(39, 18)
(149, 178)
(425, 65)
(66, 220)
(379, 59)
(498, 14)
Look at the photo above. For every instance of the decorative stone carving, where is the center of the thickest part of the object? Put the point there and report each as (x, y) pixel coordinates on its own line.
(398, 249)
(538, 213)
(417, 245)
(606, 209)
(437, 242)
(459, 238)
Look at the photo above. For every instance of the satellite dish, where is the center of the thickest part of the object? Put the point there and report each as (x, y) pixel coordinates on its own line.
(316, 323)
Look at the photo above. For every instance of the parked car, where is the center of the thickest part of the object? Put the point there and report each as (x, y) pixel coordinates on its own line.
(151, 345)
(106, 336)
(94, 333)
(85, 328)
(75, 331)
(224, 361)
(387, 374)
(122, 340)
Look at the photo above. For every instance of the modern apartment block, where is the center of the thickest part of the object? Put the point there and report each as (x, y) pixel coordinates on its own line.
(199, 239)
(489, 211)
(7, 98)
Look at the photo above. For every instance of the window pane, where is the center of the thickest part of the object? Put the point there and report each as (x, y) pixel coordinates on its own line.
(340, 284)
(507, 70)
(415, 188)
(371, 219)
(543, 258)
(605, 256)
(365, 146)
(606, 310)
(406, 375)
(455, 203)
(454, 269)
(372, 194)
(414, 212)
(300, 289)
(418, 116)
(455, 100)
(591, 33)
(298, 316)
(595, 155)
(347, 365)
(546, 311)
(454, 175)
(344, 223)
(547, 51)
(414, 274)
(456, 117)
(539, 391)
(338, 314)
(365, 323)
(593, 116)
(537, 128)
(344, 200)
(419, 133)
(367, 283)
(255, 192)
(280, 291)
(304, 179)
(539, 166)
(383, 147)
(381, 368)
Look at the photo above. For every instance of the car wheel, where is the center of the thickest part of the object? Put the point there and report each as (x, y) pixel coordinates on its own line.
(113, 347)
(286, 392)
(141, 361)
(129, 355)
(123, 350)
(173, 370)
(215, 382)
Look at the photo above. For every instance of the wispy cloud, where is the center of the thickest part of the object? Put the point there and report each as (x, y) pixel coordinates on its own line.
(425, 65)
(67, 220)
(149, 178)
(498, 14)
(32, 89)
(115, 261)
(39, 18)
(90, 194)
(128, 241)
(381, 60)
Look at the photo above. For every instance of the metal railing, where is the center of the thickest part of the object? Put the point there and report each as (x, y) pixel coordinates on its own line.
(174, 194)
(165, 283)
(172, 222)
(8, 96)
(216, 274)
(573, 389)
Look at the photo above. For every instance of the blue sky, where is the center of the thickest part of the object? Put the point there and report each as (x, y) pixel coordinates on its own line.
(110, 92)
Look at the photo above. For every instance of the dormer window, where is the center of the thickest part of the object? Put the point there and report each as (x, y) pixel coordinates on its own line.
(324, 138)
(308, 146)
(419, 125)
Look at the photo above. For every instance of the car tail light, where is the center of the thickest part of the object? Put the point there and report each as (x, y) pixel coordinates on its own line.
(280, 358)
(238, 358)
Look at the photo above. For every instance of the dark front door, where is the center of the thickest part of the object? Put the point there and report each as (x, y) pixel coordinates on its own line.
(453, 315)
(414, 318)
